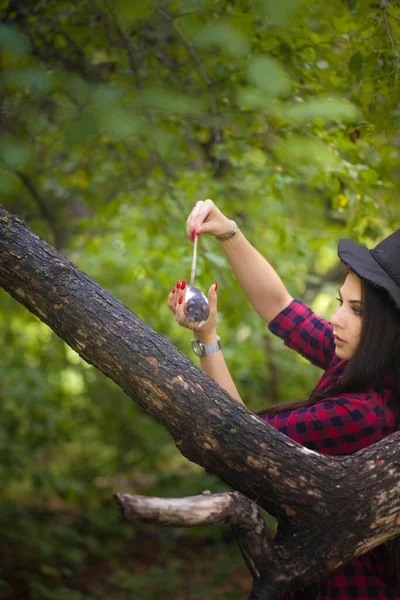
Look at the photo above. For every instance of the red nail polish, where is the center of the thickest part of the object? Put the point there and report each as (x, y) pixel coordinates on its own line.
(193, 234)
(178, 284)
(173, 291)
(183, 285)
(216, 285)
(180, 300)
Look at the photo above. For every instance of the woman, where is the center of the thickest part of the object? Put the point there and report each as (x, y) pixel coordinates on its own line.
(356, 401)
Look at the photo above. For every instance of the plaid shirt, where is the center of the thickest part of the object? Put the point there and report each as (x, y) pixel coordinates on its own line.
(341, 424)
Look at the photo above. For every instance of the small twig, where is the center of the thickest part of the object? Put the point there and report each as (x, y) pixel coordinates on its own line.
(43, 46)
(45, 210)
(139, 180)
(54, 27)
(194, 55)
(131, 48)
(200, 66)
(389, 33)
(392, 16)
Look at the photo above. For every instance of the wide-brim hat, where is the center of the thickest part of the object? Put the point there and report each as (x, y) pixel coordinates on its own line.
(379, 266)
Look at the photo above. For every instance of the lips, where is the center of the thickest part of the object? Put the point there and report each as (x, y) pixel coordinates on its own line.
(338, 341)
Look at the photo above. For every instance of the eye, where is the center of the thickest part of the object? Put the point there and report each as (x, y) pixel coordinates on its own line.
(357, 311)
(339, 300)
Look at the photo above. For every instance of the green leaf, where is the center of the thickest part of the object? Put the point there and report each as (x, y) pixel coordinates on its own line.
(224, 36)
(304, 151)
(129, 12)
(164, 100)
(120, 123)
(15, 153)
(81, 131)
(265, 73)
(35, 79)
(250, 98)
(370, 176)
(216, 259)
(13, 41)
(356, 63)
(9, 182)
(279, 12)
(326, 108)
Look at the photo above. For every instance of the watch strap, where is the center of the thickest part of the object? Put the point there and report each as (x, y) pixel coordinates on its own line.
(205, 349)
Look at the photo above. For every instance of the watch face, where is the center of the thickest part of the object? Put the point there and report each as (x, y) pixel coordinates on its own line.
(197, 347)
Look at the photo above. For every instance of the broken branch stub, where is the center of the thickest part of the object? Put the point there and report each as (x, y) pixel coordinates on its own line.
(241, 514)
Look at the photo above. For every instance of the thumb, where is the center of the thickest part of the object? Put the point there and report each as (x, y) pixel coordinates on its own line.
(212, 296)
(205, 227)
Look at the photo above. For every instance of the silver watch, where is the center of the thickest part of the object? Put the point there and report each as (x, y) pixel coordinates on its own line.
(204, 349)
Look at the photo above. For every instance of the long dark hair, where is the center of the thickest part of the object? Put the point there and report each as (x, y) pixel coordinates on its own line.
(377, 354)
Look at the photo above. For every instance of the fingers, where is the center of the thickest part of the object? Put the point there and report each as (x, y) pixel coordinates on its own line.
(176, 302)
(173, 296)
(180, 307)
(196, 221)
(212, 297)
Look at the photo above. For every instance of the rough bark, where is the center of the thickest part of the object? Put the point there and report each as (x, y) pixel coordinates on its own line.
(330, 509)
(241, 514)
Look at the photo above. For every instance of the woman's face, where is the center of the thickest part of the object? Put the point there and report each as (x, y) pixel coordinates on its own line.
(347, 320)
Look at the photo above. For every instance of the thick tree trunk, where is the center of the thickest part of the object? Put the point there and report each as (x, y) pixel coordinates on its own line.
(329, 509)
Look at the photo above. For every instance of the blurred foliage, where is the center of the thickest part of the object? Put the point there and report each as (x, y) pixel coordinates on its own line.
(115, 119)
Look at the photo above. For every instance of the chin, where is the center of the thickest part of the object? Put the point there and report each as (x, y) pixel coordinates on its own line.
(343, 355)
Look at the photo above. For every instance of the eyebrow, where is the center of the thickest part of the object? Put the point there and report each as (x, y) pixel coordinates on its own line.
(351, 301)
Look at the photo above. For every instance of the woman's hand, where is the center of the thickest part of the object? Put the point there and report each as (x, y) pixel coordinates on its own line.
(176, 301)
(207, 218)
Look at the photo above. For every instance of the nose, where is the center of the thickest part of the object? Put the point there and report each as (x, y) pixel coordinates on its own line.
(338, 318)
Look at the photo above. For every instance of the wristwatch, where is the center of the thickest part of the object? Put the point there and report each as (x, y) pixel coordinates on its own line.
(204, 349)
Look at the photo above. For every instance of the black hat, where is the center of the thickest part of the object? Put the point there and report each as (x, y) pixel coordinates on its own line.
(380, 266)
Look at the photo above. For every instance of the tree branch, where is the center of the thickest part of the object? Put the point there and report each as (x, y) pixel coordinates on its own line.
(216, 131)
(45, 210)
(47, 48)
(392, 16)
(243, 516)
(197, 60)
(131, 49)
(389, 33)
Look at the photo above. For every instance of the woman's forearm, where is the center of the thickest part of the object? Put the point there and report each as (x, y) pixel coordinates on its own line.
(215, 366)
(257, 278)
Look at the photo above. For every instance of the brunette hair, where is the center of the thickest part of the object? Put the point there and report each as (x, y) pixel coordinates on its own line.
(377, 353)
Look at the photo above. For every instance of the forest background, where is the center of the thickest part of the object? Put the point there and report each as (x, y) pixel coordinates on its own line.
(116, 117)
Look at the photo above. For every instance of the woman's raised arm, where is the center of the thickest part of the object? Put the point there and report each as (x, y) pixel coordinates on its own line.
(257, 278)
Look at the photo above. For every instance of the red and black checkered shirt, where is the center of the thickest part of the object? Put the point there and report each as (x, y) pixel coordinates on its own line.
(339, 425)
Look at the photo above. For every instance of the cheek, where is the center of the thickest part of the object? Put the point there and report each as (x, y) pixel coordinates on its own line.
(357, 330)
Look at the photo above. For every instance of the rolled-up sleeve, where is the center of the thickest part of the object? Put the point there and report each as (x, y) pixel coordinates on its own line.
(307, 333)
